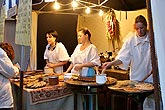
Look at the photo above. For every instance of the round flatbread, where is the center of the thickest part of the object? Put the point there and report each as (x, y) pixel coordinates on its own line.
(111, 80)
(144, 86)
(128, 89)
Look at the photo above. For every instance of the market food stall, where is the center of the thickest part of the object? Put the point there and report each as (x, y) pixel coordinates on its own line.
(155, 26)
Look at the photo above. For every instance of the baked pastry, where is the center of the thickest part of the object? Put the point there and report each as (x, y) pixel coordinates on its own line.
(48, 70)
(35, 84)
(75, 76)
(123, 84)
(144, 86)
(87, 79)
(131, 89)
(111, 80)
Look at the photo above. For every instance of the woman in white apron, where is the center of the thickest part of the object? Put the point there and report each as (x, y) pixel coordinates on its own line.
(55, 53)
(85, 55)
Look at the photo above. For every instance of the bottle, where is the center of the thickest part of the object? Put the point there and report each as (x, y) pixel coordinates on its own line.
(106, 55)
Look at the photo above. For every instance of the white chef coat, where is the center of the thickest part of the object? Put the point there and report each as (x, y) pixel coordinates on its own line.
(57, 55)
(7, 70)
(136, 53)
(89, 54)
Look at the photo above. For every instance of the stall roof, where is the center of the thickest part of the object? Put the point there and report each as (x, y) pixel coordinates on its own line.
(122, 5)
(126, 5)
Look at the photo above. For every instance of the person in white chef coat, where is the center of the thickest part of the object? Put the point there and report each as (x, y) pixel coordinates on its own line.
(85, 55)
(55, 53)
(135, 53)
(7, 70)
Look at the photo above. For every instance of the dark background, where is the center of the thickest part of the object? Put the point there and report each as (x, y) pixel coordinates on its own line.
(65, 25)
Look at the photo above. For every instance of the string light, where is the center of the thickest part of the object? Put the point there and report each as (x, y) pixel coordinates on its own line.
(79, 5)
(56, 5)
(74, 4)
(49, 0)
(88, 10)
(101, 13)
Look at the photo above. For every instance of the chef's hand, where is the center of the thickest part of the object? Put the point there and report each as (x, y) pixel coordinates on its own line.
(78, 67)
(63, 73)
(17, 65)
(50, 65)
(105, 65)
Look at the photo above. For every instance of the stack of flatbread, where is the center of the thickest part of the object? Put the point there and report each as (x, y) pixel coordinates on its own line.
(132, 86)
(144, 86)
(122, 84)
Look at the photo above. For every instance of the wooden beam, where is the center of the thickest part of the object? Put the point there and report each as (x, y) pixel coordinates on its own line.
(156, 82)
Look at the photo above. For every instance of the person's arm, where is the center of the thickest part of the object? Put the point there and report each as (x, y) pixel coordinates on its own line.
(69, 68)
(47, 61)
(52, 65)
(46, 56)
(6, 66)
(78, 67)
(112, 63)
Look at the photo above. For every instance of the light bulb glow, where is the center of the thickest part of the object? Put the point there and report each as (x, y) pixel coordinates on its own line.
(88, 10)
(101, 13)
(49, 0)
(56, 5)
(74, 4)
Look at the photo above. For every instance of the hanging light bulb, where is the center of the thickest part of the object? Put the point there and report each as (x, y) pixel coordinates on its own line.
(74, 4)
(88, 10)
(101, 13)
(56, 5)
(49, 0)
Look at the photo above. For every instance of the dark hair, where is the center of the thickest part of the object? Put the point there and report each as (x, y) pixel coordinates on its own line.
(141, 19)
(86, 31)
(54, 34)
(8, 49)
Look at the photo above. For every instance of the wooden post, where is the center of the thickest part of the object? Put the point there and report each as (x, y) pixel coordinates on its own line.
(153, 58)
(21, 91)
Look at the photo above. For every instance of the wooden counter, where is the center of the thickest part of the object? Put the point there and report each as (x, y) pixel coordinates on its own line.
(116, 73)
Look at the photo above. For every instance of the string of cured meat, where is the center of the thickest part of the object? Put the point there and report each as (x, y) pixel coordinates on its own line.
(113, 32)
(111, 25)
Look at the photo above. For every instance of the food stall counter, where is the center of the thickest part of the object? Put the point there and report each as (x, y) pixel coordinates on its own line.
(40, 95)
(56, 97)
